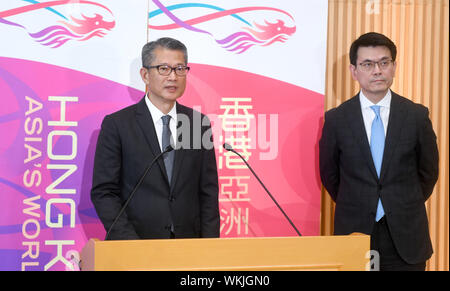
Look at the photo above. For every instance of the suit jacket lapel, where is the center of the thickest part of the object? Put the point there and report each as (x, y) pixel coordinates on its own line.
(145, 121)
(179, 152)
(356, 123)
(397, 115)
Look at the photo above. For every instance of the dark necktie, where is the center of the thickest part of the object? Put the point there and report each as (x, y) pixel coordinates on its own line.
(166, 141)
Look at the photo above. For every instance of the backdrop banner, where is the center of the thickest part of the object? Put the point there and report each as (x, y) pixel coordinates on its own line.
(257, 71)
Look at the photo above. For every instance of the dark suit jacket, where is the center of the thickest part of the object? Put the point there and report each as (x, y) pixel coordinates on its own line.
(126, 144)
(409, 172)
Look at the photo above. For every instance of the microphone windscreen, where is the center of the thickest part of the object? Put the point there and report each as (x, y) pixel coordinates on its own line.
(227, 147)
(168, 148)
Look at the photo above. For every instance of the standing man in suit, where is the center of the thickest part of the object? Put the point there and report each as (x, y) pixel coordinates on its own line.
(178, 197)
(379, 160)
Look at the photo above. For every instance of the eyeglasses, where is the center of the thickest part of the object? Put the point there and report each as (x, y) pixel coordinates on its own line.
(369, 66)
(166, 70)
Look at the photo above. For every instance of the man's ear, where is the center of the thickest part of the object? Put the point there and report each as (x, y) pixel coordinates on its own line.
(352, 69)
(144, 75)
(395, 66)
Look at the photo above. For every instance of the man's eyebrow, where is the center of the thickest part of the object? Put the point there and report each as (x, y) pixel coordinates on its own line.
(369, 60)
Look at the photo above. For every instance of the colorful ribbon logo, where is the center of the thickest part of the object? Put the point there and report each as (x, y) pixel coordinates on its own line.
(238, 42)
(70, 27)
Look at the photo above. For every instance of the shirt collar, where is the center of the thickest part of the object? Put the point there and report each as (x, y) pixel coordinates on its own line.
(366, 103)
(157, 114)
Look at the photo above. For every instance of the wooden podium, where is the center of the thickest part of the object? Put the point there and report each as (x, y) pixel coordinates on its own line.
(229, 254)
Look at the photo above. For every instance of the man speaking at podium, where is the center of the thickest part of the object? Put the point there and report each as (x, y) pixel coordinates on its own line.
(379, 160)
(145, 186)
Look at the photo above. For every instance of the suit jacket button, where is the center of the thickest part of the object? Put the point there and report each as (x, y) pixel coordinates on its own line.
(171, 198)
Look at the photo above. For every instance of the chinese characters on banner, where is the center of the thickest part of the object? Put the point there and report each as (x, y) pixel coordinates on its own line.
(234, 196)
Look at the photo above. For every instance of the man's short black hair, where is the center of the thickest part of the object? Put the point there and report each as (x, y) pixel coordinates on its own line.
(165, 42)
(371, 39)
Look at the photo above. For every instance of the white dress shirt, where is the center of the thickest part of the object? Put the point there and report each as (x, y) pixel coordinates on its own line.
(157, 120)
(369, 115)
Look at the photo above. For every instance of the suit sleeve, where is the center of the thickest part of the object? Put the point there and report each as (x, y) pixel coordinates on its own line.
(209, 189)
(427, 155)
(105, 193)
(329, 157)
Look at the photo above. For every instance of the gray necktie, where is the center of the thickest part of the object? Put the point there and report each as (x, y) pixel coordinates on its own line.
(166, 141)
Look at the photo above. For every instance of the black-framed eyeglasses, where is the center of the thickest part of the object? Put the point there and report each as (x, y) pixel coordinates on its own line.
(369, 65)
(166, 70)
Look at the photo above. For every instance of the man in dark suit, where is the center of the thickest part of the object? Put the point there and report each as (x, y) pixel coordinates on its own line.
(379, 160)
(178, 197)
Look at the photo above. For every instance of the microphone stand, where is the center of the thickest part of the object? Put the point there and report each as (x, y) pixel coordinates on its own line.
(166, 150)
(229, 148)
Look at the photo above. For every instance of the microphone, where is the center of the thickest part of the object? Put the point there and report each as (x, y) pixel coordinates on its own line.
(230, 148)
(169, 148)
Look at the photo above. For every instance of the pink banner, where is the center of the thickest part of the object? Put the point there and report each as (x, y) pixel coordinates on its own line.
(256, 71)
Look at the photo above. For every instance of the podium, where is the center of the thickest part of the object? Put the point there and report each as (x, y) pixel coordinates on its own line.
(229, 254)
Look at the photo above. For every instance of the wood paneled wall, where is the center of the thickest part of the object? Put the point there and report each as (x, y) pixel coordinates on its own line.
(420, 29)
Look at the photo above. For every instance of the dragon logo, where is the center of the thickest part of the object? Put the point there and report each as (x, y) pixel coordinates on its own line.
(78, 27)
(258, 34)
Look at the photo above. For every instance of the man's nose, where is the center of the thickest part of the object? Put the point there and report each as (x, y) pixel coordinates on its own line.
(172, 75)
(376, 68)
